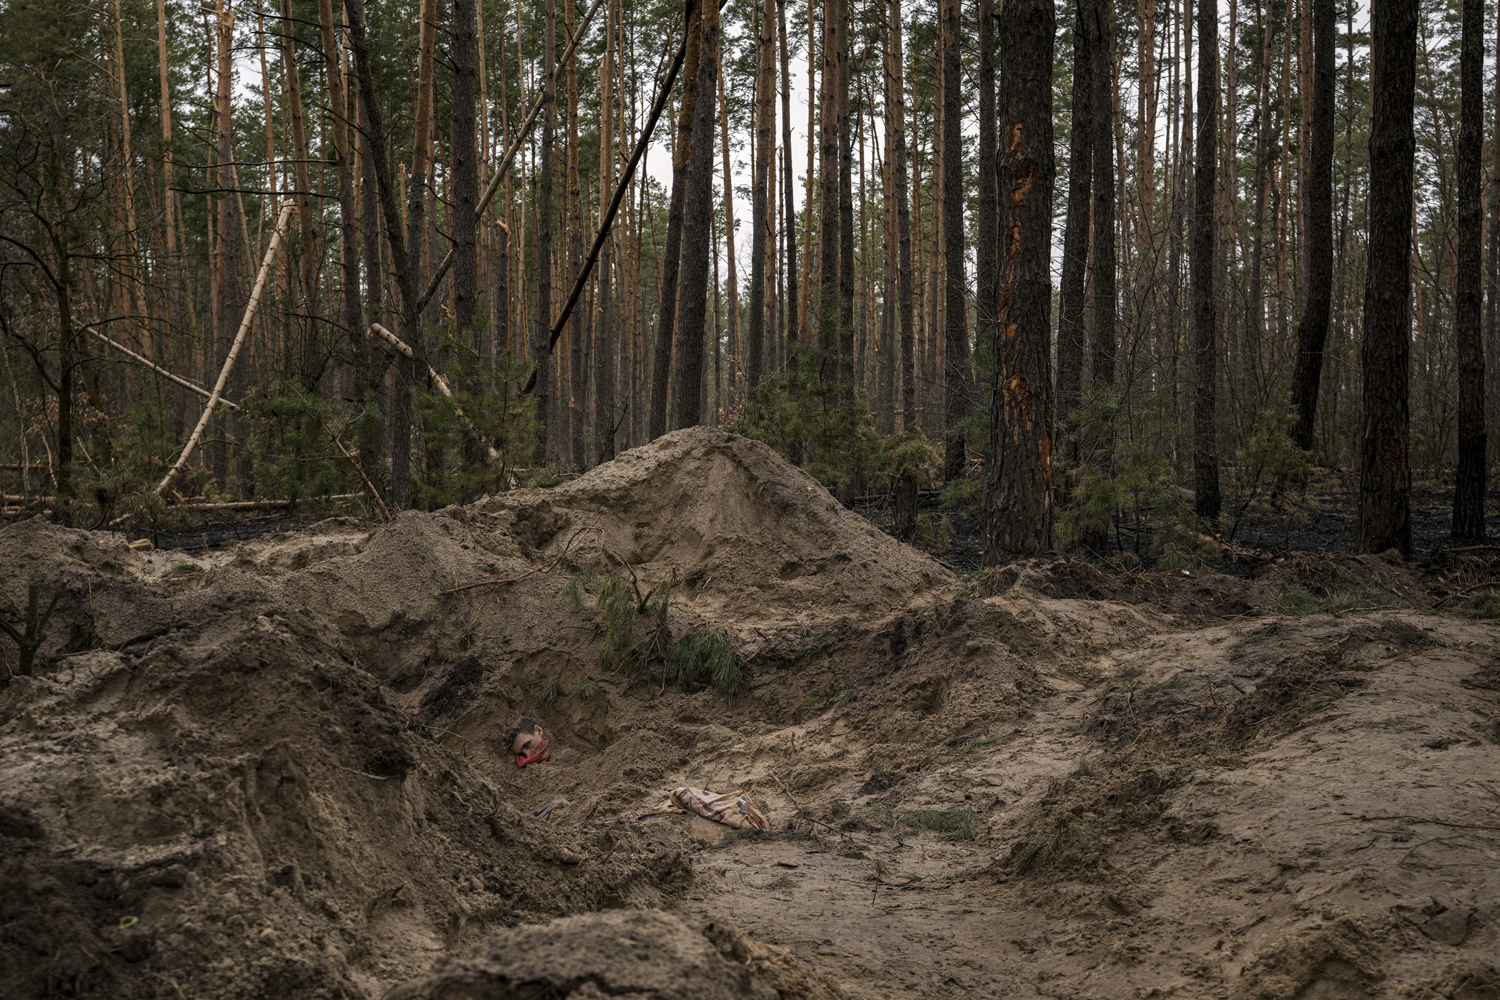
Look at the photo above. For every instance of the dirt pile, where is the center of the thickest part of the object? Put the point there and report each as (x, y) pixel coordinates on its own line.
(241, 811)
(649, 954)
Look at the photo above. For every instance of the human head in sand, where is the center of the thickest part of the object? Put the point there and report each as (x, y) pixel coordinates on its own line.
(526, 737)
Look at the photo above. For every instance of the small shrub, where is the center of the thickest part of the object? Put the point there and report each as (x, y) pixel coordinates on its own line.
(1484, 604)
(550, 693)
(1084, 768)
(705, 656)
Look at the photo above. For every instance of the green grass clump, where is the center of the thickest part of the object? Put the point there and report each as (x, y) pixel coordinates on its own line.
(546, 479)
(949, 824)
(586, 688)
(550, 693)
(780, 882)
(1324, 696)
(1298, 600)
(1084, 768)
(845, 697)
(1484, 604)
(1047, 850)
(182, 569)
(705, 656)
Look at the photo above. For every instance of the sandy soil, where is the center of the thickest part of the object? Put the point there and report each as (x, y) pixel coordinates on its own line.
(281, 768)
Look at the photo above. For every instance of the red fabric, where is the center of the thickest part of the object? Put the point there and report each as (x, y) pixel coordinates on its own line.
(542, 751)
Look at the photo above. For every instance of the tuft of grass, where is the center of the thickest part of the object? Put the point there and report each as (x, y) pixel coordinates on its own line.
(182, 569)
(545, 479)
(1324, 696)
(1084, 768)
(729, 839)
(705, 656)
(764, 695)
(845, 697)
(550, 693)
(1048, 849)
(586, 688)
(1483, 604)
(949, 824)
(812, 699)
(1298, 600)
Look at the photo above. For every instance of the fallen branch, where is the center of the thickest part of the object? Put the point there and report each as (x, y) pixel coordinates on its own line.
(374, 493)
(159, 370)
(803, 812)
(516, 579)
(1466, 590)
(437, 380)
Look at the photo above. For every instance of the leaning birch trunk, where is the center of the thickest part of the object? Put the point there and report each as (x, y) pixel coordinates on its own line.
(159, 370)
(437, 380)
(234, 352)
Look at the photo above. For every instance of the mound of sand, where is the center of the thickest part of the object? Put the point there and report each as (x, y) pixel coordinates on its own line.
(646, 954)
(755, 535)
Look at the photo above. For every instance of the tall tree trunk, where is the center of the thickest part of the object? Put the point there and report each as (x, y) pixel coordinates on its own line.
(986, 220)
(1255, 329)
(672, 255)
(1468, 493)
(310, 352)
(1145, 167)
(896, 149)
(604, 332)
(541, 351)
(729, 255)
(464, 150)
(172, 265)
(579, 324)
(1312, 331)
(350, 314)
(846, 210)
(1385, 470)
(226, 272)
(791, 277)
(1072, 293)
(828, 208)
(1018, 500)
(765, 111)
(1101, 127)
(956, 374)
(698, 211)
(1202, 271)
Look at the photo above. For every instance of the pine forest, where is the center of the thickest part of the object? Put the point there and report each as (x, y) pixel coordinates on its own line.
(1102, 273)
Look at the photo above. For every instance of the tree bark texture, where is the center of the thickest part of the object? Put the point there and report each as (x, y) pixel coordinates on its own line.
(1018, 500)
(1384, 520)
(698, 213)
(1101, 128)
(541, 345)
(1072, 292)
(1468, 494)
(765, 112)
(1312, 331)
(956, 374)
(1201, 271)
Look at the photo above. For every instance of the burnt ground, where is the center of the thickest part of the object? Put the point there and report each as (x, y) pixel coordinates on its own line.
(1257, 528)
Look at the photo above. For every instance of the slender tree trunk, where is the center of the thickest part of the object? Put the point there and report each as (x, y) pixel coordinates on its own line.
(604, 333)
(846, 211)
(1468, 494)
(1145, 167)
(1255, 329)
(465, 156)
(579, 325)
(226, 273)
(957, 377)
(828, 209)
(765, 112)
(1072, 293)
(1312, 331)
(541, 351)
(1018, 499)
(1102, 128)
(1202, 271)
(792, 278)
(698, 210)
(986, 220)
(732, 268)
(1385, 471)
(172, 264)
(896, 149)
(350, 313)
(672, 256)
(310, 353)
